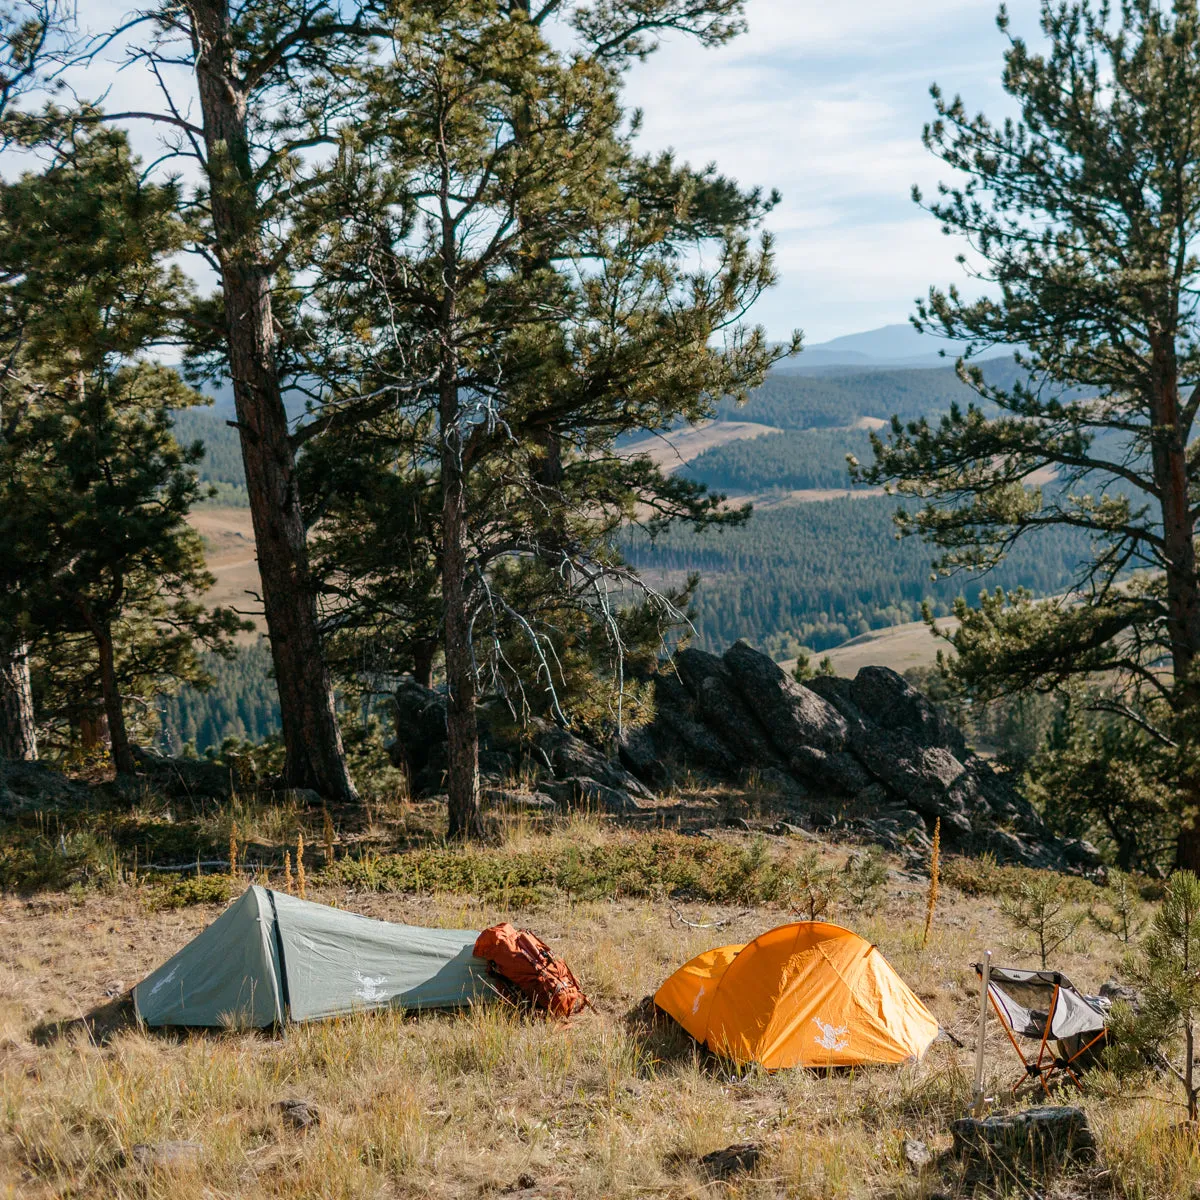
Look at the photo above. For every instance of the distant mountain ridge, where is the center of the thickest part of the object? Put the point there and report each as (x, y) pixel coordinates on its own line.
(887, 346)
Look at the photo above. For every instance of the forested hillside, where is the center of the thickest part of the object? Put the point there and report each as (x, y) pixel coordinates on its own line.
(221, 467)
(816, 574)
(794, 459)
(840, 397)
(821, 403)
(241, 703)
(810, 574)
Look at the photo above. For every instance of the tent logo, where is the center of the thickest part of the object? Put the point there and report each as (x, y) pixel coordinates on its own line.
(368, 988)
(163, 981)
(833, 1037)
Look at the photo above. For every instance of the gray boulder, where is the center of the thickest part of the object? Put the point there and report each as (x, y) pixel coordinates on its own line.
(718, 705)
(1037, 1138)
(792, 715)
(184, 777)
(1079, 852)
(836, 690)
(923, 777)
(887, 699)
(730, 1162)
(722, 708)
(682, 737)
(167, 1156)
(835, 770)
(29, 786)
(638, 751)
(783, 784)
(579, 792)
(695, 666)
(506, 798)
(571, 757)
(299, 1114)
(420, 717)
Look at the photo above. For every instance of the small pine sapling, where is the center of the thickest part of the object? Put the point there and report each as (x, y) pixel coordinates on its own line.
(1166, 974)
(935, 865)
(1039, 911)
(815, 885)
(1120, 914)
(863, 878)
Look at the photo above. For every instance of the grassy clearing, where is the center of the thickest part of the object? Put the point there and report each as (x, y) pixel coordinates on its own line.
(472, 1104)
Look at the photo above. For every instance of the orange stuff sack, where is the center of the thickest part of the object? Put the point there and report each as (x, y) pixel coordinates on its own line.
(521, 959)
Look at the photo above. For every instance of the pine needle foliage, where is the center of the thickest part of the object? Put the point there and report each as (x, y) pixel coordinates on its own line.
(1166, 974)
(1039, 912)
(1119, 911)
(1090, 259)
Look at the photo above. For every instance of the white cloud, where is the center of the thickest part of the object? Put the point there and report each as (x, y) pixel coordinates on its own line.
(824, 101)
(827, 102)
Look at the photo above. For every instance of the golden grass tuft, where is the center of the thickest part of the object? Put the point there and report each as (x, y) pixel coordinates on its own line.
(935, 862)
(449, 1105)
(301, 884)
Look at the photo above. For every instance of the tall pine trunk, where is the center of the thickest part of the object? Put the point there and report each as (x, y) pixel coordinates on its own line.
(424, 651)
(462, 729)
(313, 742)
(114, 709)
(1169, 461)
(18, 734)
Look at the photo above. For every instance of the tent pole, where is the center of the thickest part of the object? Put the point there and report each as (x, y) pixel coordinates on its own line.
(985, 977)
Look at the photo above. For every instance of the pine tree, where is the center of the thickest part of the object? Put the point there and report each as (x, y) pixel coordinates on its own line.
(279, 84)
(25, 30)
(1081, 214)
(95, 488)
(512, 382)
(1166, 973)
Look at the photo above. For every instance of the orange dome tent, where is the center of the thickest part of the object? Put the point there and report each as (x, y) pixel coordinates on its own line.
(802, 995)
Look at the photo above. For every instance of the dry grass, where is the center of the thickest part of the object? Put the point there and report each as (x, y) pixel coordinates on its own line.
(466, 1104)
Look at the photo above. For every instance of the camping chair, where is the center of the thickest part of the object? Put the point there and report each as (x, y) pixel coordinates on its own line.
(1044, 1006)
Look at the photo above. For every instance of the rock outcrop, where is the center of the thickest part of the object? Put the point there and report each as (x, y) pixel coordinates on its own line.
(873, 745)
(30, 786)
(872, 750)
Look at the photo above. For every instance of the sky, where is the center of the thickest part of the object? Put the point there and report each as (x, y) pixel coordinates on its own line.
(826, 101)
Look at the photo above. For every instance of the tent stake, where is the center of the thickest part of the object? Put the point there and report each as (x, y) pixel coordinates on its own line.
(977, 1100)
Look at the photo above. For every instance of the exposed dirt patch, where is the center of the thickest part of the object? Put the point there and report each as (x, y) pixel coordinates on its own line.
(672, 450)
(229, 552)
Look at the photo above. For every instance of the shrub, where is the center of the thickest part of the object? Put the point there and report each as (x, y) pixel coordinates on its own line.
(191, 889)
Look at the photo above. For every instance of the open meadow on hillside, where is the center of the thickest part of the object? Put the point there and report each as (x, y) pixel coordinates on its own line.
(490, 1101)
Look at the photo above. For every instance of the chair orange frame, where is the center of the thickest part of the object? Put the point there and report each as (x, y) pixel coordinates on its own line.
(1041, 1068)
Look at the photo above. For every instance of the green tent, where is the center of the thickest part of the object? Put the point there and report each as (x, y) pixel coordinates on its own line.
(270, 957)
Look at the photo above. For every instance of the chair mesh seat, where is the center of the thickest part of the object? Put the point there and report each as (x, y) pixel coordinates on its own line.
(1045, 1006)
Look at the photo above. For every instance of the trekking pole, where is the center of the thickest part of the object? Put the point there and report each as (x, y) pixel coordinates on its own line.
(977, 1100)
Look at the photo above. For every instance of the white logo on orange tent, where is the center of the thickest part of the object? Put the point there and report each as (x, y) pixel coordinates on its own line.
(833, 1037)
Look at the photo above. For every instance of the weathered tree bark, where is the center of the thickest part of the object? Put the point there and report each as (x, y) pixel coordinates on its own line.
(462, 782)
(93, 732)
(18, 732)
(114, 710)
(313, 742)
(424, 651)
(1169, 462)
